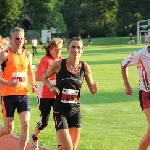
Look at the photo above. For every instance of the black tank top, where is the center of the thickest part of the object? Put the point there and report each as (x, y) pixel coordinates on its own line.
(69, 85)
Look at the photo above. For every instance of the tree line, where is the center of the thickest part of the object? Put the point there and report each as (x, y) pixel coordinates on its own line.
(99, 18)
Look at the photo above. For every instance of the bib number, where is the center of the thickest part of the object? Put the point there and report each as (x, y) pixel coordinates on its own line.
(20, 76)
(69, 96)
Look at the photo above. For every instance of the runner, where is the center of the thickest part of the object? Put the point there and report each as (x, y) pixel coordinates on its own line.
(70, 73)
(17, 68)
(46, 98)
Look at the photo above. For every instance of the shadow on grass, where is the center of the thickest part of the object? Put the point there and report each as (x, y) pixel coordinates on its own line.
(117, 61)
(110, 51)
(101, 98)
(99, 50)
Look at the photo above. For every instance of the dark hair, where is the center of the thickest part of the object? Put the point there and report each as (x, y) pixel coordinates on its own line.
(76, 39)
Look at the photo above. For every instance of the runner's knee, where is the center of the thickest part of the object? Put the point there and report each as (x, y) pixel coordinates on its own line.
(43, 123)
(25, 125)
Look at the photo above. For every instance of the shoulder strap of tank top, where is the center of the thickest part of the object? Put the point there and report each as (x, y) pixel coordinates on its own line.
(82, 67)
(63, 62)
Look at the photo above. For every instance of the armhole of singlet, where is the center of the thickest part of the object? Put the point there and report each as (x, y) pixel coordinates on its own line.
(82, 68)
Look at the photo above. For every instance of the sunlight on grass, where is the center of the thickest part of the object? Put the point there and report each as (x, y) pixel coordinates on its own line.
(111, 120)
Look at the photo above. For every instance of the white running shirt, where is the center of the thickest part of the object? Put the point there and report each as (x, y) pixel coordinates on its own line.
(141, 59)
(34, 42)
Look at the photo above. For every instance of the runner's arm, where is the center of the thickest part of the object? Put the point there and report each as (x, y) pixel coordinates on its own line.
(53, 69)
(31, 75)
(93, 87)
(3, 57)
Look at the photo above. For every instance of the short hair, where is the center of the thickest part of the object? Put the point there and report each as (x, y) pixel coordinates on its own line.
(76, 39)
(16, 29)
(54, 42)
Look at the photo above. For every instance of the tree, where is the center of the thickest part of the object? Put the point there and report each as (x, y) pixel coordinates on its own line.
(71, 12)
(10, 15)
(129, 13)
(45, 13)
(88, 16)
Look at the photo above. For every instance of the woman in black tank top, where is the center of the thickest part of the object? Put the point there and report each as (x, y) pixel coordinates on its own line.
(70, 73)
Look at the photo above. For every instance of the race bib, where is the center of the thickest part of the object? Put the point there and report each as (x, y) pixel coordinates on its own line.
(69, 96)
(20, 76)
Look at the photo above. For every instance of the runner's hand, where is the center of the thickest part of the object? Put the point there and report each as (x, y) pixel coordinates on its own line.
(34, 89)
(54, 90)
(94, 88)
(128, 90)
(13, 83)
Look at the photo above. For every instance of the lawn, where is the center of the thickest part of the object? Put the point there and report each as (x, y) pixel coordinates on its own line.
(111, 120)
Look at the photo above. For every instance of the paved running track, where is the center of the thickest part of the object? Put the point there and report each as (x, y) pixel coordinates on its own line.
(10, 142)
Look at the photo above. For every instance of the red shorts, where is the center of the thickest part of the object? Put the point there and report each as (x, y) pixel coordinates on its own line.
(144, 98)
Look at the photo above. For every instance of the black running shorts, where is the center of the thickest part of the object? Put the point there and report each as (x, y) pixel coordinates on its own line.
(12, 102)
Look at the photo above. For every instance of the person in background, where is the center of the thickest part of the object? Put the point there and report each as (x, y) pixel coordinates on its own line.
(2, 45)
(131, 39)
(16, 64)
(40, 41)
(146, 38)
(34, 46)
(89, 40)
(64, 40)
(70, 73)
(140, 59)
(46, 98)
(25, 41)
(8, 42)
(79, 36)
(48, 39)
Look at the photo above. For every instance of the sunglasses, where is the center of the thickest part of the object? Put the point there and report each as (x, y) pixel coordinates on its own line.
(19, 39)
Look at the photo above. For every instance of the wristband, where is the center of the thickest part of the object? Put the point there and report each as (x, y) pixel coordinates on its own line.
(34, 86)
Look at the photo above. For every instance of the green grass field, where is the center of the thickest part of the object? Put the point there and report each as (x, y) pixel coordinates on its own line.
(111, 120)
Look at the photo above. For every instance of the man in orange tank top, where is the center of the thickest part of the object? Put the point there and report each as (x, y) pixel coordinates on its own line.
(16, 64)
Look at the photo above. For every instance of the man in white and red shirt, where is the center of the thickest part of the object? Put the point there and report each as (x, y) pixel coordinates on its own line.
(141, 59)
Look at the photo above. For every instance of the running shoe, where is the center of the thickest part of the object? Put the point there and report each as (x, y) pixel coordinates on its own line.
(33, 143)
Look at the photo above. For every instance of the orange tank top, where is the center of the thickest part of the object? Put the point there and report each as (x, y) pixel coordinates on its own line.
(16, 69)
